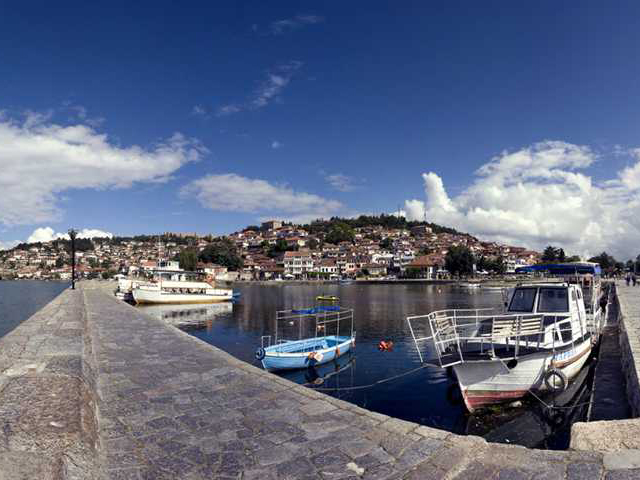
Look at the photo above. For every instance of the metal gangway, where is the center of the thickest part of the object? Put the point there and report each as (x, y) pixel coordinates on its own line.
(459, 335)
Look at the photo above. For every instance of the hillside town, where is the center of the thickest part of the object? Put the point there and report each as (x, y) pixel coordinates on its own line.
(272, 251)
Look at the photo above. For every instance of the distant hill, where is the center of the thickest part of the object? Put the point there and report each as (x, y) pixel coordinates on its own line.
(386, 221)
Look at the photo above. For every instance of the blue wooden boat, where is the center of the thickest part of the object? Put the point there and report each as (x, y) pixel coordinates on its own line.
(305, 353)
(308, 351)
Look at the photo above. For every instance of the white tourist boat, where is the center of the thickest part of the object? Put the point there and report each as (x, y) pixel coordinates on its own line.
(179, 287)
(173, 292)
(540, 343)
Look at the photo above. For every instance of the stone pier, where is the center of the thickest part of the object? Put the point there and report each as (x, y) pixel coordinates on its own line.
(92, 389)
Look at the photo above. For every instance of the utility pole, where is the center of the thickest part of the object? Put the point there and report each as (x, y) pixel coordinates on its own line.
(72, 236)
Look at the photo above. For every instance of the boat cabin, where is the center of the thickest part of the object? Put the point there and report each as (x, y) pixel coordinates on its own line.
(561, 307)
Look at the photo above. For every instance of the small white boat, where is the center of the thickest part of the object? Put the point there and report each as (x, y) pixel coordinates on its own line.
(308, 350)
(540, 343)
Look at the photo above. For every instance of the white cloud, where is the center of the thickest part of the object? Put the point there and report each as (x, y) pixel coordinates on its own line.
(47, 234)
(199, 111)
(269, 89)
(288, 24)
(538, 196)
(228, 110)
(231, 192)
(277, 79)
(341, 182)
(42, 160)
(82, 114)
(276, 144)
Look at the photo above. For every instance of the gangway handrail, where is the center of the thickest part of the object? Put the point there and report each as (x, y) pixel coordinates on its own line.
(448, 330)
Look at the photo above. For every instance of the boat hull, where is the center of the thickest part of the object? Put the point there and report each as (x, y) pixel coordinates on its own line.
(276, 358)
(490, 382)
(143, 296)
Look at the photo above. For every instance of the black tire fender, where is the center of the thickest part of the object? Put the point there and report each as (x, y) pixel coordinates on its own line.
(555, 380)
(260, 353)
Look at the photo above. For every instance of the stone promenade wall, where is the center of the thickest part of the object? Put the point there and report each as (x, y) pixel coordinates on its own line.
(48, 395)
(629, 321)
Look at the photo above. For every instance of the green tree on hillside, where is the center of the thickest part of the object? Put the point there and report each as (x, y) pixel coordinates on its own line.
(459, 260)
(606, 261)
(222, 252)
(340, 232)
(188, 259)
(552, 254)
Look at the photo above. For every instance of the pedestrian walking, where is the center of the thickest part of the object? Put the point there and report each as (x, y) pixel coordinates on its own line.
(633, 279)
(628, 279)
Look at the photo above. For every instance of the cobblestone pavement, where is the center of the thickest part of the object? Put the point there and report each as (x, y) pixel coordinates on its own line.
(172, 407)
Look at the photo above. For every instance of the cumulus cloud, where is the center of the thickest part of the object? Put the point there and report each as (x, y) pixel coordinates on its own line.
(231, 192)
(41, 160)
(288, 24)
(82, 114)
(268, 91)
(47, 234)
(341, 182)
(541, 195)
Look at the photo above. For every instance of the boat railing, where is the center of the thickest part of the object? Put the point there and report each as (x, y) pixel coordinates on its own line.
(458, 337)
(313, 322)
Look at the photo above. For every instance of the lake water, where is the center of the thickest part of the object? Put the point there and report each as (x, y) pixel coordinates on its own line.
(21, 299)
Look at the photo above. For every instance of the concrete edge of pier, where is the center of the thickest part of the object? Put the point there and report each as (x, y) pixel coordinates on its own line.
(92, 388)
(619, 435)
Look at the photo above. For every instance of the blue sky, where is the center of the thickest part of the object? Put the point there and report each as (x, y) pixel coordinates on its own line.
(300, 109)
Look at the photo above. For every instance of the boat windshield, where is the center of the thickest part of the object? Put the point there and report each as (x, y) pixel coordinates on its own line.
(553, 300)
(522, 300)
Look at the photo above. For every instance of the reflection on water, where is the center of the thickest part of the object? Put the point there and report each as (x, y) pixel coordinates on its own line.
(188, 317)
(379, 313)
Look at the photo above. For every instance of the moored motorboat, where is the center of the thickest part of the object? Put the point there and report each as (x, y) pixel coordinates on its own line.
(540, 343)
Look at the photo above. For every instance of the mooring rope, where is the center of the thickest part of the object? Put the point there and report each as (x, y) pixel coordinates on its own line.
(362, 387)
(555, 407)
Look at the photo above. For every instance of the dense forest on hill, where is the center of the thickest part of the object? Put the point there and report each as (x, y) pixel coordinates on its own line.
(386, 221)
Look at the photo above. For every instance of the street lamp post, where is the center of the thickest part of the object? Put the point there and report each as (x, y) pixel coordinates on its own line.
(72, 236)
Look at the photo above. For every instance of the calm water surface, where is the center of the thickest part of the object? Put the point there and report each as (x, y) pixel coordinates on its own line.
(380, 312)
(22, 298)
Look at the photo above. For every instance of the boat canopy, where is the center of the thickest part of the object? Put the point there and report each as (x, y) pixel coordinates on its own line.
(579, 268)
